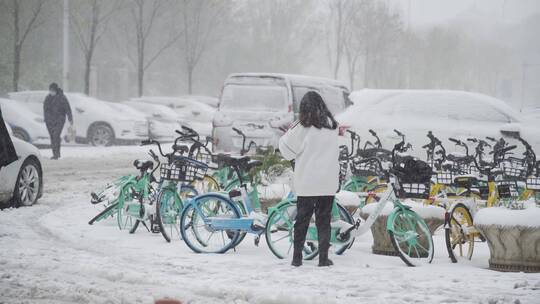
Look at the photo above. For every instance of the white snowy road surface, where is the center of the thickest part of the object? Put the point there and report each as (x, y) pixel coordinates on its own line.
(49, 254)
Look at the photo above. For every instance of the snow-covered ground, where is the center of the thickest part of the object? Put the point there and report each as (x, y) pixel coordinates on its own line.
(49, 254)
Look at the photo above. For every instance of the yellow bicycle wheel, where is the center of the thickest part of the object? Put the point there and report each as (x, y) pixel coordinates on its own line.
(460, 233)
(206, 185)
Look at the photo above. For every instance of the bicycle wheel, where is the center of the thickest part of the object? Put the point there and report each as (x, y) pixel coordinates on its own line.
(280, 230)
(168, 209)
(124, 219)
(460, 233)
(109, 211)
(410, 237)
(201, 237)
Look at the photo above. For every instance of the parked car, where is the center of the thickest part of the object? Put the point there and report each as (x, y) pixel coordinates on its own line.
(162, 121)
(446, 113)
(21, 182)
(192, 113)
(25, 124)
(264, 105)
(209, 100)
(97, 122)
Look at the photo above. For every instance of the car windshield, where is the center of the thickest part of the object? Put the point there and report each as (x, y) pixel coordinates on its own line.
(262, 97)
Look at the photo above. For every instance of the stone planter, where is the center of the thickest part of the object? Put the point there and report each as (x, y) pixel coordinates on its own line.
(513, 237)
(382, 244)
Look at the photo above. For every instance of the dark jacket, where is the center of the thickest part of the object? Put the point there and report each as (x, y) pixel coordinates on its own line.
(55, 109)
(7, 151)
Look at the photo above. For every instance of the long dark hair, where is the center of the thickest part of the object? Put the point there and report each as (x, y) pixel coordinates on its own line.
(314, 112)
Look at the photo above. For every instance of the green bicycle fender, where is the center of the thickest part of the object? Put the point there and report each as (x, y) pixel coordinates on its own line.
(392, 215)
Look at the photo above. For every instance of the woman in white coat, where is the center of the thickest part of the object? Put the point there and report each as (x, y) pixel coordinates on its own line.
(312, 142)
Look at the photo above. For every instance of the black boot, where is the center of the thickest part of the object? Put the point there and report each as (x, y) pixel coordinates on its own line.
(324, 260)
(297, 258)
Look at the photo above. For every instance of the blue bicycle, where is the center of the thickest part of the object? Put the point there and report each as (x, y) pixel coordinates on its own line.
(214, 222)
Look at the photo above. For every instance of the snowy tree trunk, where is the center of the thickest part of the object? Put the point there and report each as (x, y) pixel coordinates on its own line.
(512, 248)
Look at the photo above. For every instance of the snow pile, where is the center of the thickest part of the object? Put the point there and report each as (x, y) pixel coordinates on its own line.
(424, 211)
(504, 217)
(415, 112)
(348, 198)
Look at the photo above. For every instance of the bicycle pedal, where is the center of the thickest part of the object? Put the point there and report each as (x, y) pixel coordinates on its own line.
(257, 240)
(230, 234)
(156, 229)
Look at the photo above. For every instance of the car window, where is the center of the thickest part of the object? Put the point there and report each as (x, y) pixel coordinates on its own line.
(334, 98)
(265, 97)
(473, 110)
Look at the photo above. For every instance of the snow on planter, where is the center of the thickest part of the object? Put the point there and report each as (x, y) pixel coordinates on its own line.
(425, 211)
(513, 237)
(500, 216)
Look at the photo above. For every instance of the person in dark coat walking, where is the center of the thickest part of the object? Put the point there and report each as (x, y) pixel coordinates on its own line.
(55, 110)
(313, 144)
(7, 150)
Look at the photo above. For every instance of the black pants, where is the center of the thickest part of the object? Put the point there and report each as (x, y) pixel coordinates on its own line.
(55, 131)
(322, 206)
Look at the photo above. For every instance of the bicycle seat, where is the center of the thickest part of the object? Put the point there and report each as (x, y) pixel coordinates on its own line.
(465, 181)
(234, 161)
(456, 157)
(143, 165)
(253, 164)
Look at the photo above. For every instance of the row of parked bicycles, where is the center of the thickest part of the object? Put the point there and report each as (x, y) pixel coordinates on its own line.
(211, 201)
(485, 174)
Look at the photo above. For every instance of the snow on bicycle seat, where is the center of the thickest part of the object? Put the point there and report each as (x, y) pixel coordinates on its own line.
(253, 164)
(143, 164)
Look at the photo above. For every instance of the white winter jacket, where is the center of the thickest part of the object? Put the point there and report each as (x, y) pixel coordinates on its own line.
(316, 153)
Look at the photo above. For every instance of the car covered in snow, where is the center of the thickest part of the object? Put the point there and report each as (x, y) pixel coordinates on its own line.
(162, 120)
(209, 100)
(194, 114)
(25, 124)
(97, 122)
(446, 113)
(21, 182)
(263, 105)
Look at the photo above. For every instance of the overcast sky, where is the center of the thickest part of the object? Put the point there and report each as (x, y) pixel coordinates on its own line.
(429, 12)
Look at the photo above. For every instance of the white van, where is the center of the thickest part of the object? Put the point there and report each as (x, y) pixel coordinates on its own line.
(263, 105)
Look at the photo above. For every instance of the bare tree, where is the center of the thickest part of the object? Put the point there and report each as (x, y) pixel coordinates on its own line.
(372, 34)
(90, 21)
(144, 14)
(201, 19)
(340, 18)
(25, 19)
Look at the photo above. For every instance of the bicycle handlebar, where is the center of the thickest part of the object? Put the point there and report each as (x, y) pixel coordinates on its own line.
(503, 150)
(456, 141)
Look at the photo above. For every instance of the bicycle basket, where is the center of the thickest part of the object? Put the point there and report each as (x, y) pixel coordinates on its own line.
(514, 169)
(507, 189)
(183, 169)
(414, 190)
(366, 167)
(533, 183)
(445, 178)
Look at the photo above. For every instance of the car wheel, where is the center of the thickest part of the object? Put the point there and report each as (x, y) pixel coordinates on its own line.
(28, 184)
(101, 135)
(21, 134)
